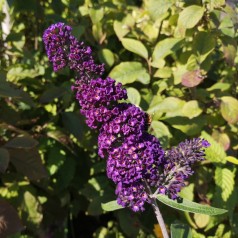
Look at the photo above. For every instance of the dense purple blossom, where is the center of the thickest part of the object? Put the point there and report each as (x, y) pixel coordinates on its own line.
(133, 162)
(63, 49)
(98, 98)
(128, 126)
(132, 195)
(134, 157)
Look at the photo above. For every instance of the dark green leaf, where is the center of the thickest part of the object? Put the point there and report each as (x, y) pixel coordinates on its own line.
(28, 162)
(24, 142)
(10, 222)
(4, 160)
(180, 231)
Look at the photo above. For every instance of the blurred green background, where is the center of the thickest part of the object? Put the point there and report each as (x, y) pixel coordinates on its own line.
(177, 59)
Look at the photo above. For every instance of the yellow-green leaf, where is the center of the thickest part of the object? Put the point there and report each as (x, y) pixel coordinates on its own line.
(135, 46)
(190, 16)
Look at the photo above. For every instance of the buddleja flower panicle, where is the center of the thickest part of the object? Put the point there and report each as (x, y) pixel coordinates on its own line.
(134, 157)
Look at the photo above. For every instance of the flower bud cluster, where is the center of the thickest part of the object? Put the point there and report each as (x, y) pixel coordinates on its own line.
(134, 157)
(177, 166)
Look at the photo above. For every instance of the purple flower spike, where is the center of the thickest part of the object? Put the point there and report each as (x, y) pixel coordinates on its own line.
(63, 49)
(177, 167)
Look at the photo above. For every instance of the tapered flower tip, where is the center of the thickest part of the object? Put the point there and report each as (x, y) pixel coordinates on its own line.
(205, 143)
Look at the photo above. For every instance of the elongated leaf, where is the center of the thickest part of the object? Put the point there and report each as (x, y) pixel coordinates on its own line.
(180, 231)
(190, 16)
(7, 91)
(133, 96)
(232, 159)
(129, 72)
(135, 46)
(25, 142)
(184, 205)
(188, 206)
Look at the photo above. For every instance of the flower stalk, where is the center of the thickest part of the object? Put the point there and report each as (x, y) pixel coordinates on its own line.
(157, 212)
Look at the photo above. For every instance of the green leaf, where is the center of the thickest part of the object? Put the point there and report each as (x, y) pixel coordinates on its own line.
(229, 109)
(10, 222)
(135, 46)
(203, 50)
(232, 159)
(28, 162)
(188, 126)
(51, 93)
(107, 57)
(161, 131)
(4, 160)
(190, 16)
(32, 208)
(74, 124)
(172, 106)
(111, 206)
(215, 152)
(224, 178)
(164, 48)
(129, 72)
(157, 8)
(7, 91)
(180, 231)
(121, 28)
(229, 49)
(133, 96)
(191, 109)
(25, 142)
(201, 220)
(188, 206)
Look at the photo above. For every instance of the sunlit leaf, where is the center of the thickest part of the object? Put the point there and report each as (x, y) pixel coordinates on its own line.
(190, 16)
(135, 46)
(229, 109)
(133, 96)
(232, 159)
(164, 48)
(129, 72)
(215, 152)
(224, 178)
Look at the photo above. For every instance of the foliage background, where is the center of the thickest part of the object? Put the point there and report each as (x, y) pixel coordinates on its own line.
(178, 61)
